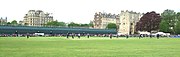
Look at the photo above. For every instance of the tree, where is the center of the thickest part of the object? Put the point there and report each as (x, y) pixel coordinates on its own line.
(84, 25)
(149, 22)
(111, 26)
(91, 24)
(56, 23)
(72, 24)
(177, 28)
(177, 25)
(164, 27)
(168, 21)
(25, 24)
(8, 23)
(62, 24)
(14, 22)
(52, 23)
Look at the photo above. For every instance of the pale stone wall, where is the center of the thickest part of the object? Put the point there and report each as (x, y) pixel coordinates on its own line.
(101, 20)
(37, 18)
(3, 21)
(126, 22)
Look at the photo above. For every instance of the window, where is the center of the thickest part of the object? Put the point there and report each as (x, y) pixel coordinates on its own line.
(123, 23)
(131, 23)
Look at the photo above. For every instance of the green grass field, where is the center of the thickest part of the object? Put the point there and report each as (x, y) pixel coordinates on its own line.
(84, 47)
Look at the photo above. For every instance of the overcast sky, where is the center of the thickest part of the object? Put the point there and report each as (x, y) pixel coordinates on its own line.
(81, 11)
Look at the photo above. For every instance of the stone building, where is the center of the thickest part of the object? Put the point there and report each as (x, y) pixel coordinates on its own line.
(126, 21)
(3, 21)
(101, 20)
(37, 18)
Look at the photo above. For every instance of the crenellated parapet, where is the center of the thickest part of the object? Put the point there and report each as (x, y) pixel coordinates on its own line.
(102, 19)
(105, 15)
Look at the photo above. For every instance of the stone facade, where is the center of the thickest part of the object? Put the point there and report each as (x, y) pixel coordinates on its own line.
(37, 18)
(101, 20)
(126, 22)
(3, 21)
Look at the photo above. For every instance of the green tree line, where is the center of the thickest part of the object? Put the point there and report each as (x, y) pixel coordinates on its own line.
(170, 22)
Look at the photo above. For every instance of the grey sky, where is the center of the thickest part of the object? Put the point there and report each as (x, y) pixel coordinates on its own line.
(81, 11)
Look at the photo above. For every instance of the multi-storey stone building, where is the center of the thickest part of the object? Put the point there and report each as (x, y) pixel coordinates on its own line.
(37, 18)
(3, 21)
(101, 20)
(126, 21)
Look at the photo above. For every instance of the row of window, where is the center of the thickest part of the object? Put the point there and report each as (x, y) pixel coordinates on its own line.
(125, 23)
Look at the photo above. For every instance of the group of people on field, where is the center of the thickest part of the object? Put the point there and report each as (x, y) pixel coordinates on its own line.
(141, 36)
(73, 35)
(110, 36)
(68, 35)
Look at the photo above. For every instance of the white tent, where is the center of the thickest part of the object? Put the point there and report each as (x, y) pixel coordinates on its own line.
(147, 33)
